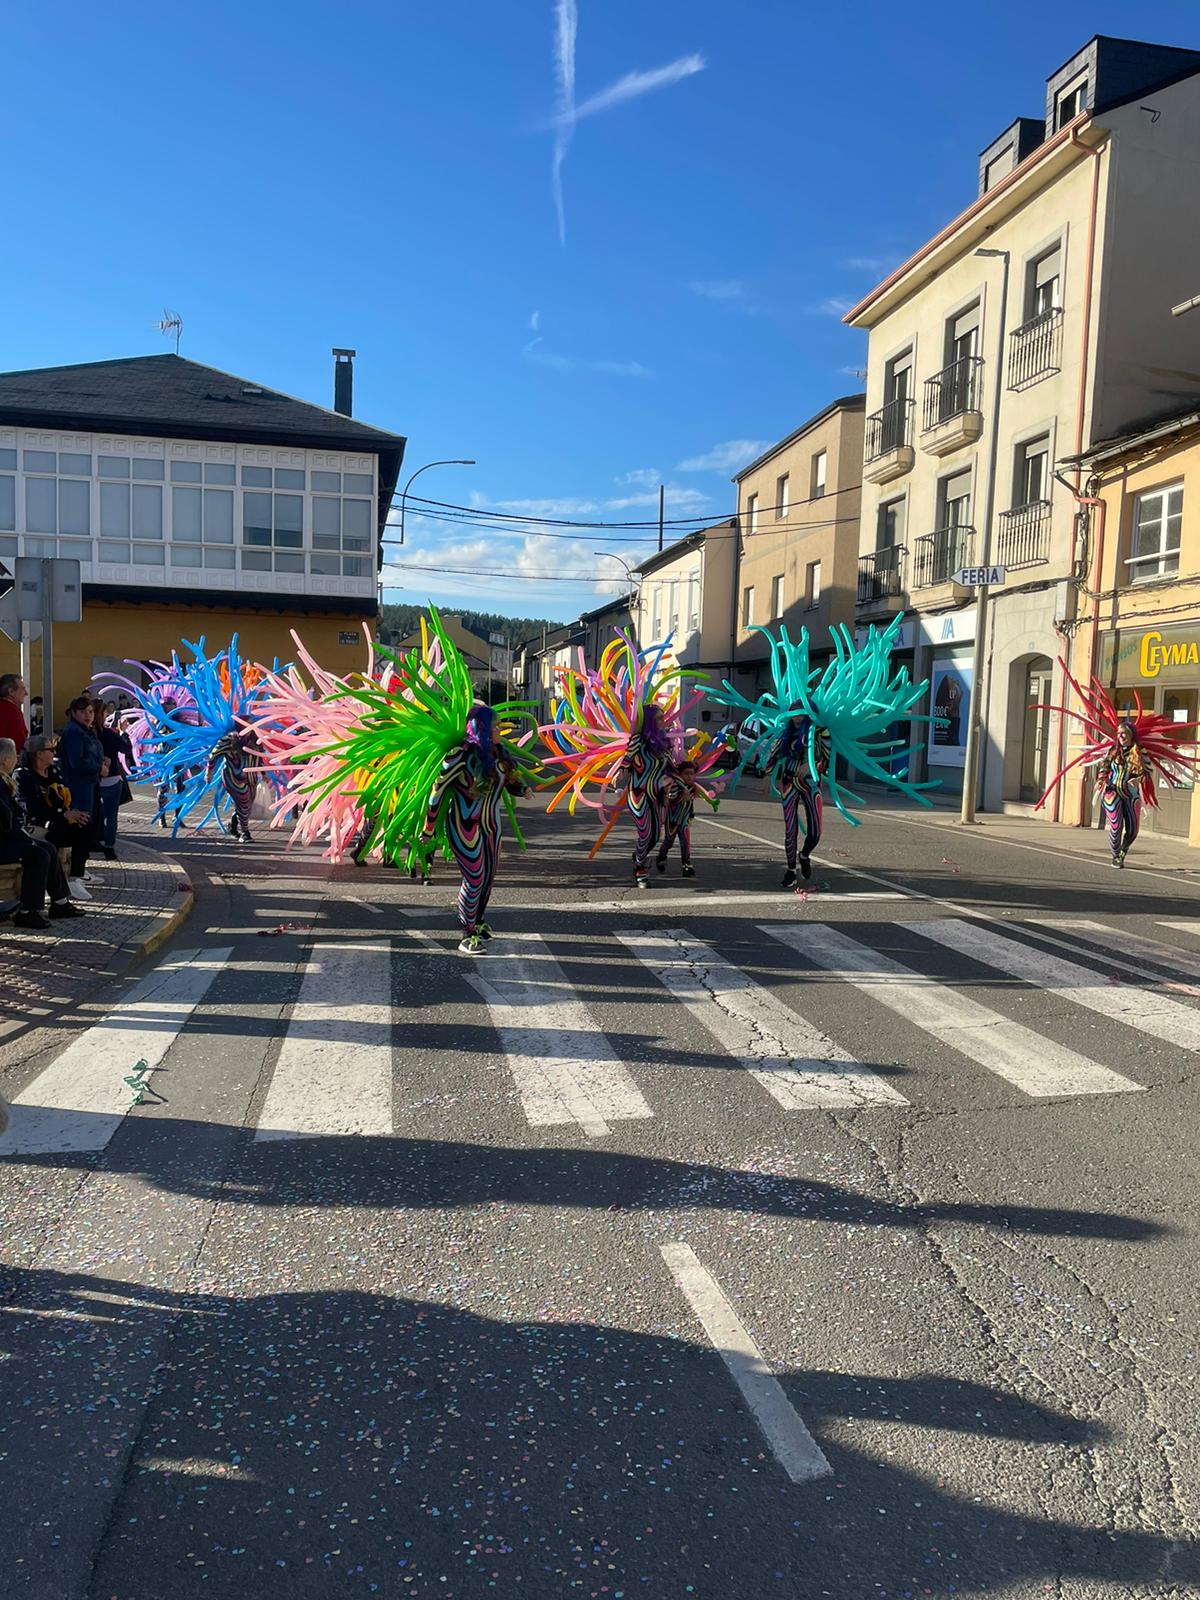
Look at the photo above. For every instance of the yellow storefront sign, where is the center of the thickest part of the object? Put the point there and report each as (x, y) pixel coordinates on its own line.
(1155, 655)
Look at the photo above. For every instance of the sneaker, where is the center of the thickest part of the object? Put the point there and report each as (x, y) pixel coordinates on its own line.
(30, 919)
(688, 870)
(64, 908)
(1119, 859)
(661, 863)
(471, 945)
(482, 929)
(641, 881)
(78, 892)
(244, 837)
(87, 877)
(109, 853)
(789, 878)
(805, 868)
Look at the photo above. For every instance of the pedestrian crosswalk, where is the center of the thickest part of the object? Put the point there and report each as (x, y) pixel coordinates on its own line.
(606, 1032)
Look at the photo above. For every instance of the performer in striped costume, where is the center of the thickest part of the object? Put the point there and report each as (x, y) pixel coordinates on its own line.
(788, 766)
(467, 795)
(1121, 784)
(679, 808)
(646, 767)
(239, 778)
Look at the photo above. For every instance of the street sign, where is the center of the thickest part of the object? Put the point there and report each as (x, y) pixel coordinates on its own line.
(7, 577)
(976, 577)
(48, 590)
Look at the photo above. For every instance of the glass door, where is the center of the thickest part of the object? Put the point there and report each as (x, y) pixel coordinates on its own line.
(1174, 810)
(1035, 735)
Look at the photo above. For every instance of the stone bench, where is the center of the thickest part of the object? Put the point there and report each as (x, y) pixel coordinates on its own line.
(10, 889)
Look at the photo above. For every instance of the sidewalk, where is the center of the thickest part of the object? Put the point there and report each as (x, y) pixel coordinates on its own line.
(137, 903)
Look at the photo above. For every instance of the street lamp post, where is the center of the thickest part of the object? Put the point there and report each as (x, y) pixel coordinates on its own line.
(632, 581)
(417, 474)
(975, 716)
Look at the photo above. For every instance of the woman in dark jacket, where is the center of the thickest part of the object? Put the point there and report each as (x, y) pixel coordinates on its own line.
(48, 807)
(81, 755)
(38, 860)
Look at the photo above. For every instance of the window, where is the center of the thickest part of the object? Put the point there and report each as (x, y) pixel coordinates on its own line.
(1043, 284)
(898, 379)
(693, 599)
(673, 605)
(752, 512)
(998, 167)
(272, 531)
(1032, 476)
(279, 477)
(1157, 519)
(341, 535)
(889, 528)
(131, 508)
(1070, 102)
(8, 493)
(747, 605)
(777, 597)
(962, 335)
(819, 464)
(61, 502)
(812, 585)
(656, 613)
(954, 501)
(782, 497)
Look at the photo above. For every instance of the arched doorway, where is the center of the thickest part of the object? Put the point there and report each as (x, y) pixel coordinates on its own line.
(1035, 725)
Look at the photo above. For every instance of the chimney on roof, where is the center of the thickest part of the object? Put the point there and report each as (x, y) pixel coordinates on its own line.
(343, 381)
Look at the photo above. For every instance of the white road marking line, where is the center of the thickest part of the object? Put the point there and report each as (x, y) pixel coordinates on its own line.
(79, 1101)
(780, 898)
(794, 1061)
(357, 899)
(560, 1060)
(1122, 942)
(793, 1446)
(1133, 1004)
(334, 1072)
(1185, 925)
(1035, 1065)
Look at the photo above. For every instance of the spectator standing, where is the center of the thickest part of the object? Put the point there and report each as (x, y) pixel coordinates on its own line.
(49, 812)
(12, 718)
(36, 720)
(81, 760)
(114, 786)
(38, 859)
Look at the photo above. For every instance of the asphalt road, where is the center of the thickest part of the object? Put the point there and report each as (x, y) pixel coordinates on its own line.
(716, 1241)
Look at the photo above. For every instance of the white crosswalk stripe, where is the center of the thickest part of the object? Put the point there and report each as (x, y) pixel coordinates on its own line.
(1184, 925)
(1031, 1062)
(794, 1061)
(1118, 944)
(334, 1072)
(79, 1101)
(560, 1059)
(1131, 1003)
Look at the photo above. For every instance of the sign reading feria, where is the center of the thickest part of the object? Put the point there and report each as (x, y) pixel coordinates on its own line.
(977, 577)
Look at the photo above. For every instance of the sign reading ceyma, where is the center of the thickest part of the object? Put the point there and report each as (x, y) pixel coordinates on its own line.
(975, 577)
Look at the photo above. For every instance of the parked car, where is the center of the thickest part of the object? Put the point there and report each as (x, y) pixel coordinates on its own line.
(745, 736)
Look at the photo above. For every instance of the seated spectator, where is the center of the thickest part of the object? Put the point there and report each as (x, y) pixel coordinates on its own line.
(49, 813)
(12, 718)
(37, 858)
(114, 786)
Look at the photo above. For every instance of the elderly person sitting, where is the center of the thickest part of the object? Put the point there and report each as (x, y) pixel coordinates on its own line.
(49, 813)
(38, 860)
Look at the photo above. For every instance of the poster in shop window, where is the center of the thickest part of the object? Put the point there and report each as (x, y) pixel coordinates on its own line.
(949, 705)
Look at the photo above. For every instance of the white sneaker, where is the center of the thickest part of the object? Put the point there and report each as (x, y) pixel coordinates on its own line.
(78, 892)
(88, 877)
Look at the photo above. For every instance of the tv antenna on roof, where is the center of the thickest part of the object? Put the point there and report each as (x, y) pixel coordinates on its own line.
(171, 323)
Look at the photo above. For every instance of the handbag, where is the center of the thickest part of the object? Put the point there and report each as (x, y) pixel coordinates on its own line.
(126, 793)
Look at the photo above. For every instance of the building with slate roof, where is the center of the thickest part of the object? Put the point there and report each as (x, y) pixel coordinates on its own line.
(196, 502)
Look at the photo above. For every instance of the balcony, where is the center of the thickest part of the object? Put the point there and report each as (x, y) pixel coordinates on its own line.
(1023, 536)
(1035, 349)
(889, 450)
(880, 577)
(938, 555)
(952, 418)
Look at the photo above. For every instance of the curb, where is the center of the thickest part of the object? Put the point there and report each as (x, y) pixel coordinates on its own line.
(173, 922)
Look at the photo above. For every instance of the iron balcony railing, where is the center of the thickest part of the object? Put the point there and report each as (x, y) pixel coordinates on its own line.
(1023, 537)
(953, 391)
(1035, 349)
(880, 574)
(889, 428)
(937, 556)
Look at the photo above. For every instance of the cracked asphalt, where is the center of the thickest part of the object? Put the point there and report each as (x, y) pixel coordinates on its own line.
(447, 1358)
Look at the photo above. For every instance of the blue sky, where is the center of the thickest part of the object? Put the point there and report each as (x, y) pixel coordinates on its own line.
(383, 176)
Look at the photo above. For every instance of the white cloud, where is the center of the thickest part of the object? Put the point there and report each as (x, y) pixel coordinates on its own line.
(546, 508)
(834, 305)
(566, 27)
(560, 363)
(727, 457)
(534, 320)
(620, 369)
(675, 498)
(635, 84)
(868, 263)
(719, 288)
(641, 478)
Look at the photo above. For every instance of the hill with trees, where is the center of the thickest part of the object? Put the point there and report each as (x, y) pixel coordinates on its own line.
(398, 621)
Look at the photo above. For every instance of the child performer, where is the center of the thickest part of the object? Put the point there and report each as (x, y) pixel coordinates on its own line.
(787, 766)
(470, 785)
(678, 811)
(1120, 784)
(645, 767)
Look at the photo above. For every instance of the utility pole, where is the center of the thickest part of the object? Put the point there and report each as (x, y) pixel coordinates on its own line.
(662, 496)
(975, 718)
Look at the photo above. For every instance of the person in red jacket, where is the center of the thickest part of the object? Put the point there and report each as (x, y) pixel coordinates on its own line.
(12, 719)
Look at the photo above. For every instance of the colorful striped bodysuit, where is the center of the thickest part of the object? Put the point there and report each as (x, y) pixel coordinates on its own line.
(238, 778)
(679, 808)
(472, 797)
(647, 796)
(788, 764)
(1121, 793)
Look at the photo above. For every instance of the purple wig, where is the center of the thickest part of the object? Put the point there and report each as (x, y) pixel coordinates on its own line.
(479, 734)
(654, 735)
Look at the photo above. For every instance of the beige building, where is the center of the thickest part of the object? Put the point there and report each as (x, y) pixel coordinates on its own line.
(1034, 323)
(1139, 628)
(686, 595)
(798, 517)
